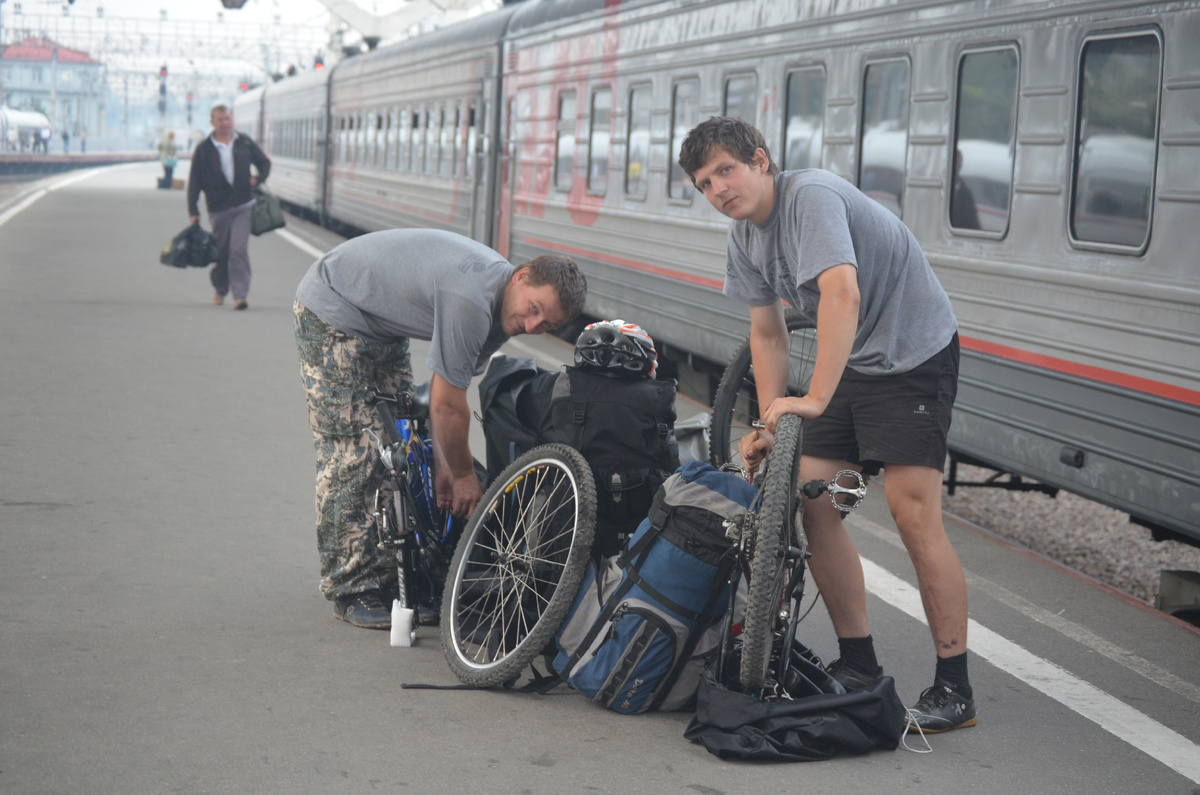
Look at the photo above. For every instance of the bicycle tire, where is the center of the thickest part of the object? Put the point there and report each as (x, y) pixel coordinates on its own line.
(771, 534)
(736, 403)
(518, 566)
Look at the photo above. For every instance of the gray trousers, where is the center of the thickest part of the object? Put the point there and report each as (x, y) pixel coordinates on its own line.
(232, 271)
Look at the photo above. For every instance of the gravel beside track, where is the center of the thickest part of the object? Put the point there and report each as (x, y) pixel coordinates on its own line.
(1084, 535)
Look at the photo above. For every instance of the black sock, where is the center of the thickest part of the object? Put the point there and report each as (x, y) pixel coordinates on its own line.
(953, 671)
(859, 654)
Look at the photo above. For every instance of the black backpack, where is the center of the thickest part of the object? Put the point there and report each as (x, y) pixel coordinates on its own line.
(625, 429)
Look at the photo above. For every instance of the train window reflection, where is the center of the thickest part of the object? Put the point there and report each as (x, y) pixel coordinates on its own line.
(803, 135)
(564, 160)
(637, 148)
(1115, 140)
(685, 114)
(740, 97)
(598, 140)
(984, 133)
(884, 148)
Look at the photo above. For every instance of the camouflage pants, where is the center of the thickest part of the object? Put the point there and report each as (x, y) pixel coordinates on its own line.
(339, 373)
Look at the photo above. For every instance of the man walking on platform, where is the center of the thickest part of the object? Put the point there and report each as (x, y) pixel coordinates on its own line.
(882, 387)
(221, 168)
(356, 310)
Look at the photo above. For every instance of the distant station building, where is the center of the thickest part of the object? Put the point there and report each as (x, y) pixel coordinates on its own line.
(39, 74)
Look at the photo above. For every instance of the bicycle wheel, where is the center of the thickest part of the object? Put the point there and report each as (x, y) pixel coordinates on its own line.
(772, 532)
(736, 403)
(519, 565)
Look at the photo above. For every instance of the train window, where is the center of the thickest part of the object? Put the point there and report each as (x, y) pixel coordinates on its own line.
(472, 139)
(344, 139)
(1115, 140)
(451, 137)
(372, 136)
(637, 147)
(432, 123)
(685, 114)
(598, 140)
(564, 161)
(741, 95)
(984, 137)
(804, 126)
(884, 147)
(418, 143)
(403, 125)
(393, 134)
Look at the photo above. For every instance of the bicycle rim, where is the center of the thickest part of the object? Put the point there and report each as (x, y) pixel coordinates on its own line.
(518, 566)
(772, 532)
(735, 406)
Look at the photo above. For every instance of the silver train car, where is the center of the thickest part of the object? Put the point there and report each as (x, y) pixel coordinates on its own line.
(1046, 156)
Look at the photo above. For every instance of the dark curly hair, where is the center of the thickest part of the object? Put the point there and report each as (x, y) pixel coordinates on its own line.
(569, 283)
(730, 133)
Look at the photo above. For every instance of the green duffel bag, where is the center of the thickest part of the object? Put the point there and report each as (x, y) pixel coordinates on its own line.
(268, 215)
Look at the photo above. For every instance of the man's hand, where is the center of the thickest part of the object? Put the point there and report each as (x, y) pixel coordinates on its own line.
(457, 496)
(753, 448)
(195, 219)
(805, 407)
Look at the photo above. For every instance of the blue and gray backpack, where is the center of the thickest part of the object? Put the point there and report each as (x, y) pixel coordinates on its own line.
(646, 622)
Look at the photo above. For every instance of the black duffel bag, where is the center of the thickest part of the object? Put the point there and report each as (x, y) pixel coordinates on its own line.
(817, 721)
(193, 247)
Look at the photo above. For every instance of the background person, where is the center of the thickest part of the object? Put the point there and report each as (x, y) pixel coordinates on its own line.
(221, 169)
(356, 309)
(167, 151)
(882, 386)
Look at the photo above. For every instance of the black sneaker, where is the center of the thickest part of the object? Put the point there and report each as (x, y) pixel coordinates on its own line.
(942, 708)
(851, 678)
(364, 610)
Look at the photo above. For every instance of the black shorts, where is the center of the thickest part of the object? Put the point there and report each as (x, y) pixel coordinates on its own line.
(877, 420)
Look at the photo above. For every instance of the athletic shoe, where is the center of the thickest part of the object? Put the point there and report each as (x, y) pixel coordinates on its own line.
(942, 708)
(851, 678)
(364, 610)
(239, 303)
(218, 300)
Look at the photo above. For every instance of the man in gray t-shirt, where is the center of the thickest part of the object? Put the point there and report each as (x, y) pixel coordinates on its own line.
(356, 309)
(882, 386)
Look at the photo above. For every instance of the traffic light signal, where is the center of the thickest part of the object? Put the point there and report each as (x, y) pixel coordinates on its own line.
(319, 62)
(162, 72)
(244, 85)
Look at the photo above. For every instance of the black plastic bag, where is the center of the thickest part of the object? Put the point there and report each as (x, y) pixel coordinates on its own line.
(193, 247)
(818, 720)
(268, 215)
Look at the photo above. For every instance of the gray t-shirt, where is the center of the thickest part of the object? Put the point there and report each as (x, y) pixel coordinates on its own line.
(418, 283)
(820, 220)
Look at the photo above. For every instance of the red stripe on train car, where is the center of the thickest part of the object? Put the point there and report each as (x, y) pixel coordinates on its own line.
(1146, 385)
(645, 267)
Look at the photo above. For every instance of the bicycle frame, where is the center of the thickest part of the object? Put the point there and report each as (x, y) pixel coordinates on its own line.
(409, 522)
(793, 568)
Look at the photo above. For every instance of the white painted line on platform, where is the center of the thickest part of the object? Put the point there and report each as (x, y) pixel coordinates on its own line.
(303, 245)
(1114, 716)
(29, 200)
(1133, 662)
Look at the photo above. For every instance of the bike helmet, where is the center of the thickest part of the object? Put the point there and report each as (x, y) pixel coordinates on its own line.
(616, 348)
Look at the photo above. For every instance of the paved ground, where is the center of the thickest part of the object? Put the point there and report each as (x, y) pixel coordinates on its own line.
(161, 628)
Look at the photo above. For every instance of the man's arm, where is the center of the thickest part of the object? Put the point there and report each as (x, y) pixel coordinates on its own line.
(261, 162)
(193, 187)
(769, 356)
(457, 486)
(837, 323)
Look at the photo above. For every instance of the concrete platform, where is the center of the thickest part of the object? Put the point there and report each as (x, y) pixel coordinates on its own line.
(161, 628)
